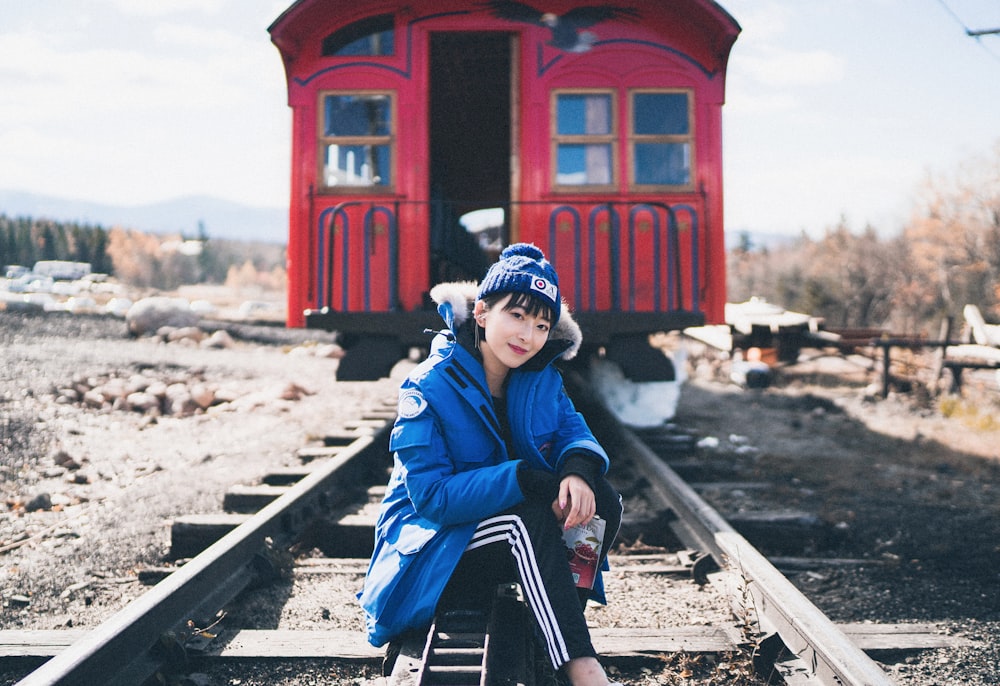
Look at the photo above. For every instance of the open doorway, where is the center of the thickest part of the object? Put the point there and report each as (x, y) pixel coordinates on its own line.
(470, 151)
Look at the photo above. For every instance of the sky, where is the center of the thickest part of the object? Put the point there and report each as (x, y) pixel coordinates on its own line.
(835, 109)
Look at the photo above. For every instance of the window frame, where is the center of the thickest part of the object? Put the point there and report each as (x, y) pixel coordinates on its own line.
(323, 141)
(612, 139)
(346, 36)
(633, 138)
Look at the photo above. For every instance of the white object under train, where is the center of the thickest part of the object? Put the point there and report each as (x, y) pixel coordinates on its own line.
(639, 404)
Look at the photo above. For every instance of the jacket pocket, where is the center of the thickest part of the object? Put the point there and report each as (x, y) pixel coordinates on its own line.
(472, 449)
(412, 536)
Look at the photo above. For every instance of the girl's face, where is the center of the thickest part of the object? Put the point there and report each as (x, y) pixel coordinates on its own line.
(513, 336)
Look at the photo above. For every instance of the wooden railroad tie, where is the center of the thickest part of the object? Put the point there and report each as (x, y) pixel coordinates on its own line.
(352, 645)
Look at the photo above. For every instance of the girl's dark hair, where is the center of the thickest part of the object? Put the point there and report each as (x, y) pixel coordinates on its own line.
(535, 307)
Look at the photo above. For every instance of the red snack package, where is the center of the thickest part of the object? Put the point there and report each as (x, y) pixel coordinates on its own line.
(583, 550)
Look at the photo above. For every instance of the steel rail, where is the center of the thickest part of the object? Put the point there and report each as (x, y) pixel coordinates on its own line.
(122, 651)
(825, 654)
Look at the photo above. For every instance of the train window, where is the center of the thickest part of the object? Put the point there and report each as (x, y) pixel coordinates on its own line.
(584, 142)
(356, 139)
(372, 36)
(660, 139)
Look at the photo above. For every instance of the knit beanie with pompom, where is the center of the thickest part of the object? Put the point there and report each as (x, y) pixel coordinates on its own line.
(522, 268)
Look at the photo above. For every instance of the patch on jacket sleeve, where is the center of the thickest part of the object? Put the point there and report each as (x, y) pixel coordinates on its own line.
(411, 403)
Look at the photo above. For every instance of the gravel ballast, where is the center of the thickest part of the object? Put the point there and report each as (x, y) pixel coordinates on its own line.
(88, 492)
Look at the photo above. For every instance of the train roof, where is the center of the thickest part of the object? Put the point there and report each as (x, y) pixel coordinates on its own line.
(304, 18)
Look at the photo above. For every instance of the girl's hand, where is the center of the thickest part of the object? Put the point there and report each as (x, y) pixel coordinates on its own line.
(575, 504)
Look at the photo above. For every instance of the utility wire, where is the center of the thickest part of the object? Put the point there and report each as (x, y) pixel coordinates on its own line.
(973, 33)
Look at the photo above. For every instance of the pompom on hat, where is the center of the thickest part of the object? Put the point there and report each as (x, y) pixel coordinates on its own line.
(522, 268)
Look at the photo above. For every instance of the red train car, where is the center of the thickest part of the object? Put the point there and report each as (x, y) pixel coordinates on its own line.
(427, 135)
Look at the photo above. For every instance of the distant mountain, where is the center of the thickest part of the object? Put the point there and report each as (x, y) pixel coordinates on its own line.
(222, 219)
(758, 240)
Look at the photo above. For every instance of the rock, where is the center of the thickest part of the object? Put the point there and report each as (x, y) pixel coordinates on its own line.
(225, 395)
(202, 395)
(164, 332)
(219, 339)
(138, 382)
(112, 389)
(142, 402)
(186, 333)
(293, 391)
(64, 459)
(93, 399)
(178, 400)
(42, 501)
(63, 500)
(330, 351)
(151, 314)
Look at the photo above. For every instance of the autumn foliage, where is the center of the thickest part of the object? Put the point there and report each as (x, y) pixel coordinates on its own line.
(143, 260)
(946, 256)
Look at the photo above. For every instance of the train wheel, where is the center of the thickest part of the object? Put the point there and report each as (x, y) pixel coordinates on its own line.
(369, 357)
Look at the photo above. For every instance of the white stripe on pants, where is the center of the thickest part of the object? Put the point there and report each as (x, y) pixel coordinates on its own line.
(510, 528)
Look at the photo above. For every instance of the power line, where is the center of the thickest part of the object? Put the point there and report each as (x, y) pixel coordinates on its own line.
(973, 33)
(953, 15)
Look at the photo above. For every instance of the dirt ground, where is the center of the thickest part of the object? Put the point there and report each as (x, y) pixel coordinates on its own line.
(910, 483)
(88, 494)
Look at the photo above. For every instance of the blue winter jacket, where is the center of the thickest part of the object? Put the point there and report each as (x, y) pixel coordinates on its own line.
(451, 466)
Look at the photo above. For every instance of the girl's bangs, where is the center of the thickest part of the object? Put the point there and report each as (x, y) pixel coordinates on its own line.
(536, 307)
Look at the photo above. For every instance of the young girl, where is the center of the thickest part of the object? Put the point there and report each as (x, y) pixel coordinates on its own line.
(491, 463)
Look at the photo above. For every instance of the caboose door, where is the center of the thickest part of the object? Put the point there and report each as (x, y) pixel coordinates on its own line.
(472, 160)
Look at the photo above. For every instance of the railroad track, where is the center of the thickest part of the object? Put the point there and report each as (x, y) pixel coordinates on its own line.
(332, 498)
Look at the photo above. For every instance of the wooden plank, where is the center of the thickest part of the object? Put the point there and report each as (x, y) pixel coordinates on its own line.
(972, 355)
(917, 636)
(982, 333)
(285, 476)
(350, 645)
(612, 642)
(939, 354)
(37, 643)
(250, 499)
(731, 485)
(344, 438)
(675, 570)
(191, 534)
(363, 425)
(692, 639)
(718, 336)
(311, 453)
(806, 563)
(332, 565)
(406, 670)
(343, 538)
(290, 643)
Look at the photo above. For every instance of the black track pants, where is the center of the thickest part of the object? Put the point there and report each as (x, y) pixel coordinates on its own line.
(524, 544)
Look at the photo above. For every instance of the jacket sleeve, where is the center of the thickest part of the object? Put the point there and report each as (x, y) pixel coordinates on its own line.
(447, 488)
(574, 436)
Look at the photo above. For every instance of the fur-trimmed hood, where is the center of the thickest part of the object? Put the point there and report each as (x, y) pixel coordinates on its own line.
(455, 301)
